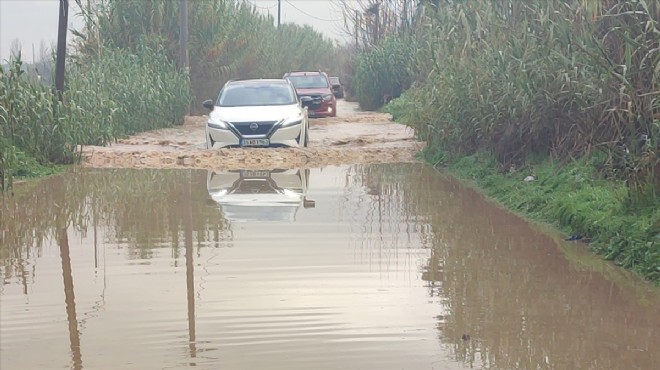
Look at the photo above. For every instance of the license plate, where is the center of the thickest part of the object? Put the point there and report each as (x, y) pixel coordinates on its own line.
(312, 113)
(256, 173)
(255, 142)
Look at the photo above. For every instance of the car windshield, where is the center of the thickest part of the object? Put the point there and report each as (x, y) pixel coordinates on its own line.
(309, 82)
(241, 95)
(334, 80)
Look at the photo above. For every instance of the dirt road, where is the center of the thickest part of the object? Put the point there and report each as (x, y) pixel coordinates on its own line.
(353, 137)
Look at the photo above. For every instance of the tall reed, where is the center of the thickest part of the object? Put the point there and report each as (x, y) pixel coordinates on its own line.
(228, 39)
(561, 78)
(109, 96)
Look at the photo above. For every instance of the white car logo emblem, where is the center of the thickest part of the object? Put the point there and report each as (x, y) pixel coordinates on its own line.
(254, 126)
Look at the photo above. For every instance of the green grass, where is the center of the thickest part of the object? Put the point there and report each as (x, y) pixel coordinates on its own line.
(28, 167)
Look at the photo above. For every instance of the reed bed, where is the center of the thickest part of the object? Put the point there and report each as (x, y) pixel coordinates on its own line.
(228, 39)
(115, 94)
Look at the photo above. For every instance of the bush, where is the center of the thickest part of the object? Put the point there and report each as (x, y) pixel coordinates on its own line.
(383, 72)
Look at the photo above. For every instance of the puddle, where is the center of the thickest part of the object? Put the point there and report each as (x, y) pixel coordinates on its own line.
(387, 266)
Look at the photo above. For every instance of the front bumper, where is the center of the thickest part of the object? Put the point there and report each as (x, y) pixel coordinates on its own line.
(325, 111)
(282, 136)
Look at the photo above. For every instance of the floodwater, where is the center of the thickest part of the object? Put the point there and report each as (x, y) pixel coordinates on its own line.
(353, 137)
(389, 266)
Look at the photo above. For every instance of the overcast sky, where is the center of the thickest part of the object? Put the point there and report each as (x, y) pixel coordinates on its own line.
(34, 21)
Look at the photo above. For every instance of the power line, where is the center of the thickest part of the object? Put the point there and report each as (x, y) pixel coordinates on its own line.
(262, 7)
(312, 16)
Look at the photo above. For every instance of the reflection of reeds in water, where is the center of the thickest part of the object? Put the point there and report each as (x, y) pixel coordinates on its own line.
(514, 295)
(385, 229)
(134, 205)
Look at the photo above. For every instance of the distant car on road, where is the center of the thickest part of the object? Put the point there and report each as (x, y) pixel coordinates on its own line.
(337, 87)
(316, 87)
(257, 113)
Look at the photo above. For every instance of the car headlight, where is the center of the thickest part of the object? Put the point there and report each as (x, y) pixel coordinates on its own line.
(291, 121)
(215, 123)
(327, 97)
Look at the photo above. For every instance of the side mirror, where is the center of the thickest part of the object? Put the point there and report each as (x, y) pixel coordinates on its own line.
(306, 101)
(308, 203)
(208, 104)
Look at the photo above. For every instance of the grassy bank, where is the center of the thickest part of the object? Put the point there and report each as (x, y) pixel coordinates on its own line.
(601, 213)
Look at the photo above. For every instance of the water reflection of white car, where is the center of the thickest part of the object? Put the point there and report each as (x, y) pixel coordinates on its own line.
(259, 195)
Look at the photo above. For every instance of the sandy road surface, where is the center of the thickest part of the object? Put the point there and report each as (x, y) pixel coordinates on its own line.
(353, 137)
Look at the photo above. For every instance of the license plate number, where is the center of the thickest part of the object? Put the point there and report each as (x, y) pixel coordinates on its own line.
(256, 174)
(255, 142)
(312, 113)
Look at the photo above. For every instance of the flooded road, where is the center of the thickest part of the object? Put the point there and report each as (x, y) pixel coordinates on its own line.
(353, 137)
(382, 266)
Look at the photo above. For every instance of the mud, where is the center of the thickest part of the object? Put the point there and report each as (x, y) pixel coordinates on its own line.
(353, 137)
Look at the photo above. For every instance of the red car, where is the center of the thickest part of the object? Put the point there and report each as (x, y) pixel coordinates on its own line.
(315, 86)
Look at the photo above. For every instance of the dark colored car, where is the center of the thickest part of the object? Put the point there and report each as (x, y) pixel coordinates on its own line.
(315, 87)
(337, 87)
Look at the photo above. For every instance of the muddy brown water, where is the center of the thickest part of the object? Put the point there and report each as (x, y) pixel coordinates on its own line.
(380, 266)
(353, 137)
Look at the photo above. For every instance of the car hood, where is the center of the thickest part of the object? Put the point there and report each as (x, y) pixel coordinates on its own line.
(282, 198)
(257, 114)
(257, 195)
(319, 91)
(279, 206)
(241, 213)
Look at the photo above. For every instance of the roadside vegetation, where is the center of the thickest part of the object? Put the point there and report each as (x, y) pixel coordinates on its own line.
(113, 94)
(567, 92)
(228, 39)
(122, 76)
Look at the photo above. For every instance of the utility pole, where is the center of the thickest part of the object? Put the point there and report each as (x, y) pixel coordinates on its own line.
(61, 47)
(377, 37)
(357, 28)
(183, 35)
(405, 15)
(279, 13)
